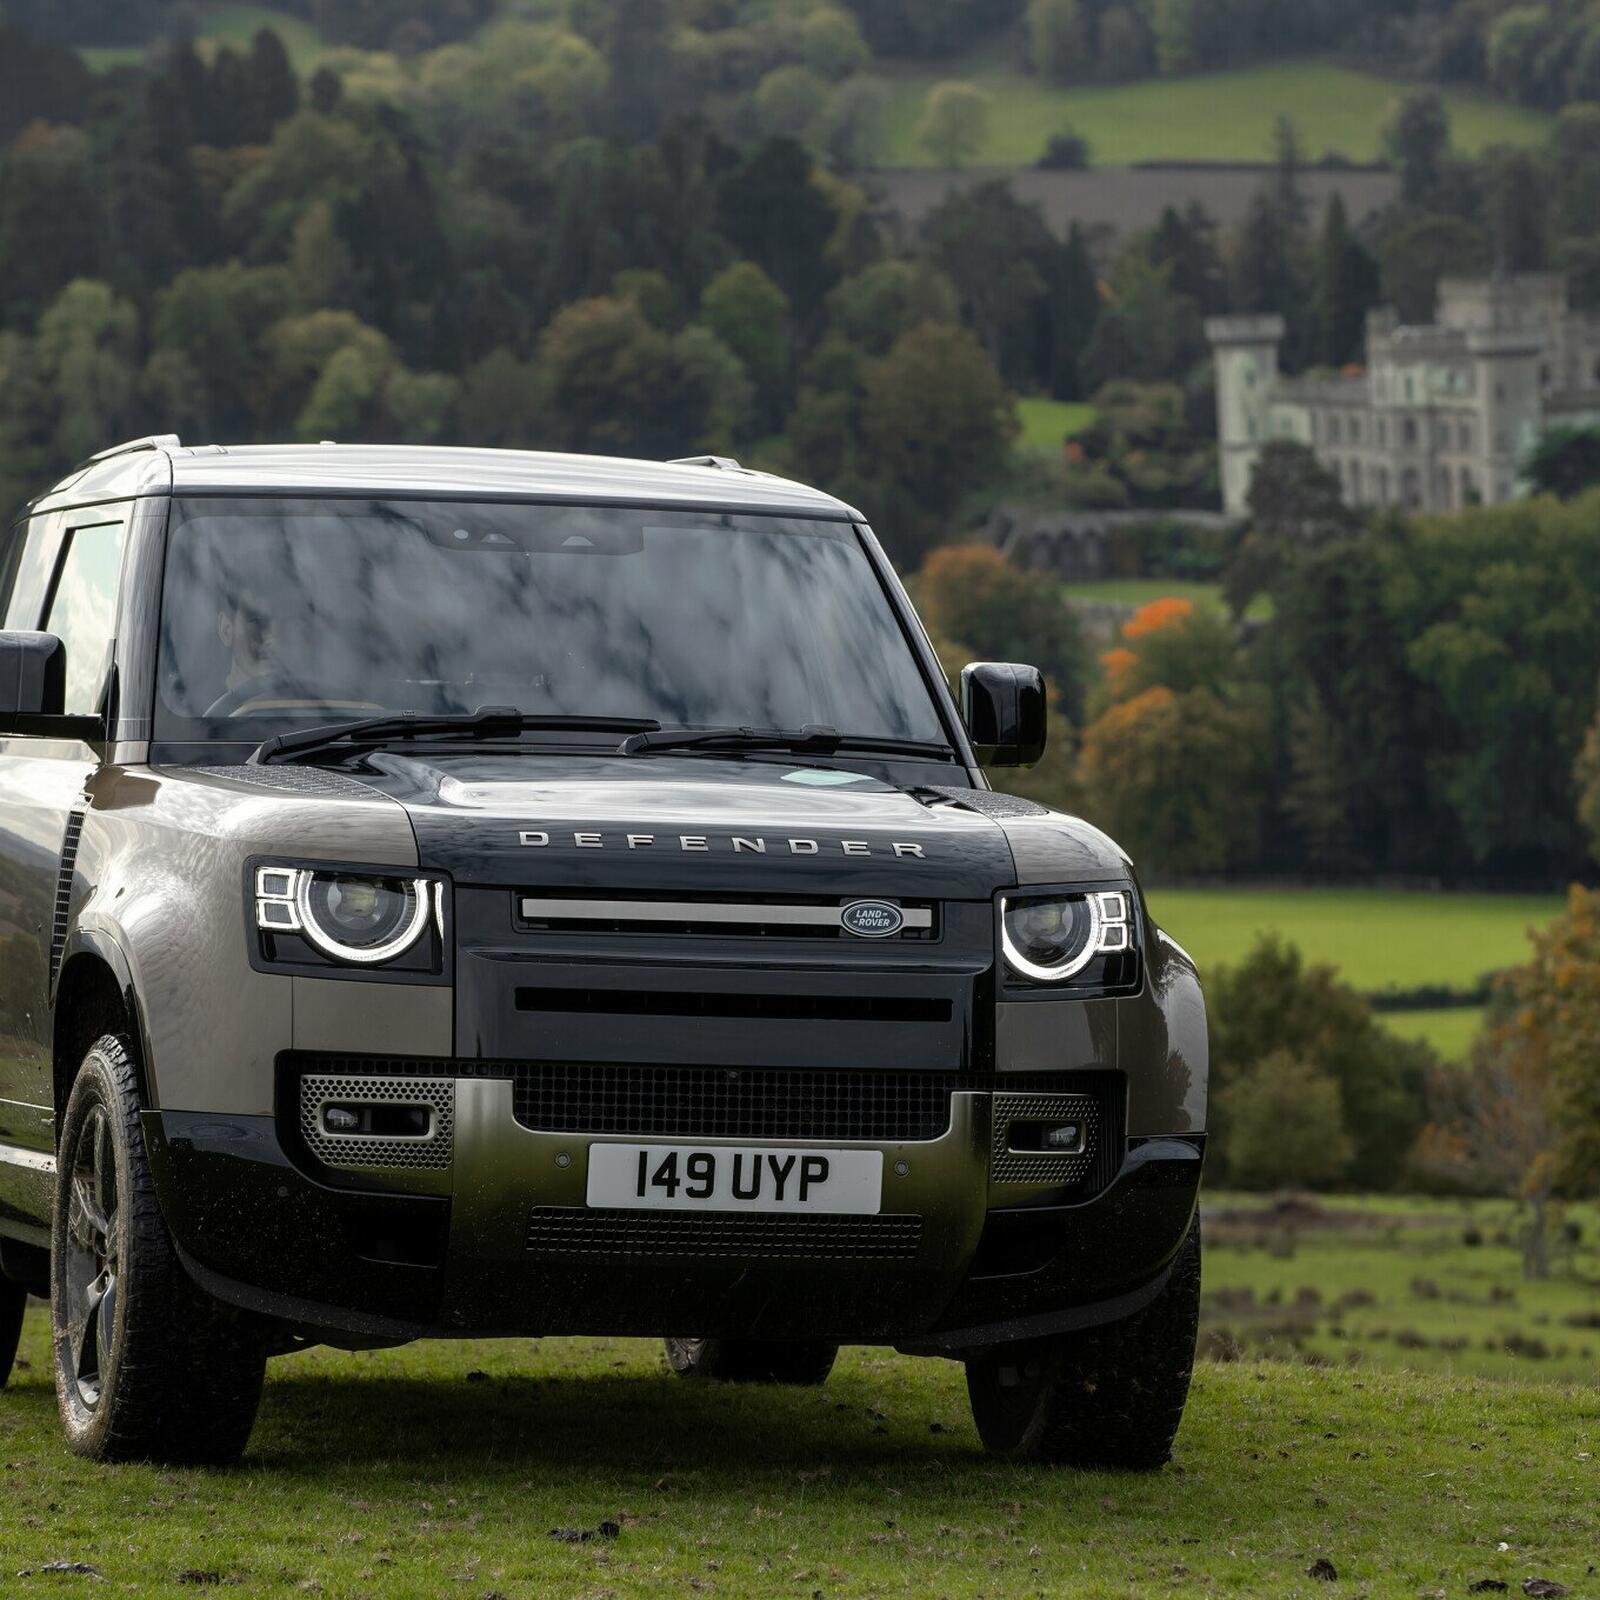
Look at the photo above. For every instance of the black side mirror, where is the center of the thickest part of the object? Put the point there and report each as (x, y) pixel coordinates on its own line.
(33, 679)
(1003, 706)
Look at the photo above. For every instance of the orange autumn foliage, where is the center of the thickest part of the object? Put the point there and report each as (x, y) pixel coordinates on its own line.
(1118, 663)
(1165, 613)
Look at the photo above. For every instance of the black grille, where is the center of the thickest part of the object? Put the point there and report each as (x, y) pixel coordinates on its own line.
(771, 1007)
(562, 1230)
(63, 905)
(732, 1103)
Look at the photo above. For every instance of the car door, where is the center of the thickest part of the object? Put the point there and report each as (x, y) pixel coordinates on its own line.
(65, 583)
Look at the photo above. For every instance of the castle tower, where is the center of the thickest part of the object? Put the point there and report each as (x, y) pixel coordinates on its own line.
(1510, 406)
(1246, 352)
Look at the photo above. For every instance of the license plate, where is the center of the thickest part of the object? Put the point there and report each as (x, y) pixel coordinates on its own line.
(686, 1177)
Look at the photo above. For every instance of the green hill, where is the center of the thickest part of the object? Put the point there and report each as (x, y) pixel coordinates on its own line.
(1225, 116)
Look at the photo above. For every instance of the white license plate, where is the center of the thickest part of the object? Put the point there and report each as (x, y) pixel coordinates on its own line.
(686, 1177)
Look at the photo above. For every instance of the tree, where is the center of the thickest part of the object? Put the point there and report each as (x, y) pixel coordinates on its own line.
(1285, 1125)
(1177, 778)
(936, 419)
(774, 214)
(875, 306)
(1061, 47)
(831, 42)
(1414, 258)
(1273, 1002)
(1346, 289)
(787, 101)
(854, 122)
(1295, 501)
(972, 595)
(750, 314)
(955, 123)
(87, 345)
(1565, 462)
(1518, 194)
(1417, 141)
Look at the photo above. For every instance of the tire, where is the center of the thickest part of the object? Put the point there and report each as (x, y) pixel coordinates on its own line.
(147, 1366)
(13, 1302)
(1102, 1397)
(752, 1361)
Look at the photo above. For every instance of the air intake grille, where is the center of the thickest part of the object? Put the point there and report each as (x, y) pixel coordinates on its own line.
(562, 1230)
(63, 906)
(731, 1103)
(364, 1153)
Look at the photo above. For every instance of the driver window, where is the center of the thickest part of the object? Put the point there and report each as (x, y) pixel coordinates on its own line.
(83, 611)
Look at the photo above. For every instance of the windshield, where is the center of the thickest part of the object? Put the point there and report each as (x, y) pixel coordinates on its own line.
(282, 614)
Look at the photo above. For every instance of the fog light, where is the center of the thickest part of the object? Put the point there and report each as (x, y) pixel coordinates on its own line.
(336, 1119)
(1064, 1136)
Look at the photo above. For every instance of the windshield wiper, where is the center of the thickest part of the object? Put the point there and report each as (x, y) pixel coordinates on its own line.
(809, 740)
(487, 722)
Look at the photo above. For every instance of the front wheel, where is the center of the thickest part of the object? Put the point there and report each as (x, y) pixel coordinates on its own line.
(13, 1302)
(1111, 1396)
(751, 1360)
(147, 1366)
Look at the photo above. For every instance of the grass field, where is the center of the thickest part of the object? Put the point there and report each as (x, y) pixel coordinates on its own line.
(1393, 1283)
(236, 25)
(1226, 116)
(1379, 939)
(441, 1470)
(1450, 1032)
(1046, 423)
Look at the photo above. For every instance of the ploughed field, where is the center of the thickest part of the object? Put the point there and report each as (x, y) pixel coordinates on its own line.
(581, 1468)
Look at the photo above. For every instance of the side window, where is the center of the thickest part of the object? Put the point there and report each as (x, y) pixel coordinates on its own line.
(10, 560)
(33, 562)
(83, 610)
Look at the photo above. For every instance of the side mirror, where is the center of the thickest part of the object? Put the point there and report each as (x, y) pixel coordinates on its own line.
(1003, 706)
(33, 679)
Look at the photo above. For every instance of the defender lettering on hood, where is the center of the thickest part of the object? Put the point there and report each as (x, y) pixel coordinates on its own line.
(701, 844)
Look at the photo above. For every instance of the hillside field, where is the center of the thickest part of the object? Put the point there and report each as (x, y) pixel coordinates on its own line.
(445, 1469)
(1224, 116)
(1046, 423)
(232, 24)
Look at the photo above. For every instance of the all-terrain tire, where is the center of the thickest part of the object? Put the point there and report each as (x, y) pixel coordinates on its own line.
(751, 1360)
(1111, 1396)
(13, 1301)
(147, 1366)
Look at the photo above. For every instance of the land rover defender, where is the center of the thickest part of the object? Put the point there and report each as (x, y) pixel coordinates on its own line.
(458, 893)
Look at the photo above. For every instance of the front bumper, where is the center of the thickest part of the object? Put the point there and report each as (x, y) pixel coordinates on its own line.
(505, 1245)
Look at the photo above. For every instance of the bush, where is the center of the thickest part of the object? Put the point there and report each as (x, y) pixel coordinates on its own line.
(1285, 1123)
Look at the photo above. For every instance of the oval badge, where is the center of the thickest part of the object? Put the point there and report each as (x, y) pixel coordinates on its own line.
(872, 919)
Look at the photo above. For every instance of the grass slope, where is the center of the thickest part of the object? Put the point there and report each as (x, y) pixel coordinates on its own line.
(236, 25)
(1450, 1032)
(1046, 422)
(392, 1474)
(1380, 939)
(1224, 116)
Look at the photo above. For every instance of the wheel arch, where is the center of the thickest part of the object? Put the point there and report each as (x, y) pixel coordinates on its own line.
(94, 996)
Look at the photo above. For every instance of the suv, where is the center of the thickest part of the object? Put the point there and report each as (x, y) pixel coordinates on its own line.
(456, 893)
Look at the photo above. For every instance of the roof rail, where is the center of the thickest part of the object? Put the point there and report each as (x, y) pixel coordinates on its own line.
(726, 463)
(153, 441)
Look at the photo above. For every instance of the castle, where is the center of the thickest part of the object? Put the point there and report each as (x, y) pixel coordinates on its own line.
(1441, 417)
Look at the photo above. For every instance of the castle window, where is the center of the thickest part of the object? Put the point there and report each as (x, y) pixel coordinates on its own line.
(1465, 435)
(1408, 431)
(1335, 432)
(1411, 488)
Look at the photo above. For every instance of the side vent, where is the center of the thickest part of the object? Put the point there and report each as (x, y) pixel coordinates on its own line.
(63, 906)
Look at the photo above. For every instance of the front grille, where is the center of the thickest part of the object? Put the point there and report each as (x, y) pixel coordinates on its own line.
(734, 1103)
(765, 1007)
(676, 916)
(1098, 1100)
(762, 1236)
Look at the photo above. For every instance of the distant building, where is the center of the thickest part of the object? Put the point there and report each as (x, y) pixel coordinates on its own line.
(1441, 417)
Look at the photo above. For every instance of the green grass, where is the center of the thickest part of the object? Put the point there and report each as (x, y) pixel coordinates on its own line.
(1380, 939)
(1046, 423)
(391, 1474)
(1450, 1032)
(1432, 1302)
(236, 25)
(1225, 116)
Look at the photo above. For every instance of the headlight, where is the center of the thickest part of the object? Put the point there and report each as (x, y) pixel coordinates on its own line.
(1051, 938)
(348, 916)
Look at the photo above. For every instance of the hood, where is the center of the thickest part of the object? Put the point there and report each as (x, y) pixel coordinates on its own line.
(690, 823)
